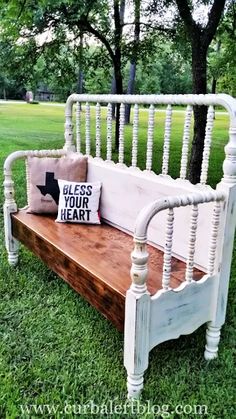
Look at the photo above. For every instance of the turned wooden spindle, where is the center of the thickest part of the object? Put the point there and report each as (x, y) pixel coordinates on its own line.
(98, 130)
(135, 135)
(166, 146)
(150, 137)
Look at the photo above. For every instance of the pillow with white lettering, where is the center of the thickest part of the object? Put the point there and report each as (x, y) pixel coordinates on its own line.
(78, 202)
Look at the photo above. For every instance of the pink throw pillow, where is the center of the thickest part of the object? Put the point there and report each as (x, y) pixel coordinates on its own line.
(43, 175)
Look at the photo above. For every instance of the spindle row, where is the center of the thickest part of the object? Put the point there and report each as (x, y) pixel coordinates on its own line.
(137, 139)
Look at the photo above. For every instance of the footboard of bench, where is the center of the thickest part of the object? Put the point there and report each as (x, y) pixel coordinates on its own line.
(150, 320)
(182, 310)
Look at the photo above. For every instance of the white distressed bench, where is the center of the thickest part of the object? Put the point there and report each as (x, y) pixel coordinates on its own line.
(179, 280)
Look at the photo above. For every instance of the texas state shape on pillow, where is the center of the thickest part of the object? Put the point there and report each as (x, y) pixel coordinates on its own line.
(79, 202)
(43, 180)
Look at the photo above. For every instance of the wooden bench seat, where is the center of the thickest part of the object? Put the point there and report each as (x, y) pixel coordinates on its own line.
(94, 260)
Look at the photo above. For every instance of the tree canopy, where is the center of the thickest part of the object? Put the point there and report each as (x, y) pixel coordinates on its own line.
(49, 31)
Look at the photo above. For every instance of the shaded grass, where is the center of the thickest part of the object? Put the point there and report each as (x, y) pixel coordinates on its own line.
(55, 348)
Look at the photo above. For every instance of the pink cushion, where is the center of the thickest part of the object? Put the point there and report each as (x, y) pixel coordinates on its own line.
(43, 175)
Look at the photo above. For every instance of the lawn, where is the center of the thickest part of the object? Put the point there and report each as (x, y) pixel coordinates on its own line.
(58, 351)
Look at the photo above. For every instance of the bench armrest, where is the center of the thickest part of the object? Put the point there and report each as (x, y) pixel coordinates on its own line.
(8, 183)
(139, 256)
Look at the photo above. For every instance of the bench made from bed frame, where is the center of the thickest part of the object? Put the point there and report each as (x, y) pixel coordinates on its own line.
(180, 258)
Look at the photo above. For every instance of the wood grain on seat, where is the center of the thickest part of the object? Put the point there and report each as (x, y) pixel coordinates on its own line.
(93, 259)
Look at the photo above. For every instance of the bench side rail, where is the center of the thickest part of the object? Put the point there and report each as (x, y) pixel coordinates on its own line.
(139, 265)
(95, 104)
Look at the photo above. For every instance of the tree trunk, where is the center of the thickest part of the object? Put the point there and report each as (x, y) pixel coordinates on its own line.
(119, 29)
(119, 91)
(80, 75)
(214, 79)
(200, 38)
(133, 61)
(80, 81)
(130, 90)
(119, 20)
(213, 85)
(113, 92)
(199, 67)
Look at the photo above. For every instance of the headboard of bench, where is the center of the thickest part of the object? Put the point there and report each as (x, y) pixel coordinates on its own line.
(95, 131)
(127, 189)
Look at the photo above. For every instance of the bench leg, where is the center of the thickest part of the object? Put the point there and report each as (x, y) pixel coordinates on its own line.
(134, 385)
(13, 258)
(136, 350)
(212, 342)
(223, 256)
(12, 245)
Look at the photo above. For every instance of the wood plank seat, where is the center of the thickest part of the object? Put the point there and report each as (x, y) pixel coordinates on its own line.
(94, 260)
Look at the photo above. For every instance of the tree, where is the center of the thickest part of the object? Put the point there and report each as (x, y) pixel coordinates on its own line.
(134, 56)
(200, 38)
(98, 18)
(16, 62)
(80, 73)
(191, 28)
(222, 57)
(68, 21)
(163, 71)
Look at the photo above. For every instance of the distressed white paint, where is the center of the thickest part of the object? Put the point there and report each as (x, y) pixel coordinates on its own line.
(139, 189)
(222, 263)
(87, 129)
(168, 249)
(137, 309)
(212, 342)
(207, 145)
(180, 311)
(214, 236)
(68, 146)
(166, 146)
(11, 243)
(78, 123)
(135, 135)
(109, 131)
(192, 244)
(185, 146)
(98, 130)
(224, 251)
(151, 115)
(136, 348)
(121, 133)
(27, 181)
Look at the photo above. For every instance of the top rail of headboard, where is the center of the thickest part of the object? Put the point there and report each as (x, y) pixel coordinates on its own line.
(227, 101)
(210, 100)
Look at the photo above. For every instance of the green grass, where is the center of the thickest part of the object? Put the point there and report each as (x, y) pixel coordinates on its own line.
(55, 349)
